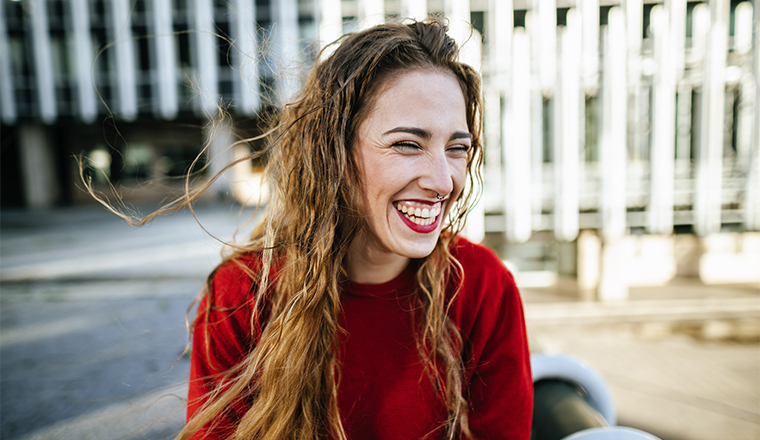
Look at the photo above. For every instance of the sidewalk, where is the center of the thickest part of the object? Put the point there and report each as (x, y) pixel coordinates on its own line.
(670, 385)
(683, 305)
(682, 361)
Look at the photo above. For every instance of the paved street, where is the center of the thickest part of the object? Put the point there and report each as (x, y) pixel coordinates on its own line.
(92, 321)
(92, 330)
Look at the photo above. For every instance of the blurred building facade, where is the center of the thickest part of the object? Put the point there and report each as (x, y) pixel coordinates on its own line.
(621, 133)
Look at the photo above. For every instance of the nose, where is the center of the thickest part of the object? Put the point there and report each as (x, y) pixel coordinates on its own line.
(436, 175)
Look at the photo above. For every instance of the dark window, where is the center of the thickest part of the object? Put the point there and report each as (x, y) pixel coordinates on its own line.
(183, 47)
(520, 17)
(176, 160)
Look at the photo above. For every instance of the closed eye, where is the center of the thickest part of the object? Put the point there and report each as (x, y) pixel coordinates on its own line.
(406, 145)
(459, 148)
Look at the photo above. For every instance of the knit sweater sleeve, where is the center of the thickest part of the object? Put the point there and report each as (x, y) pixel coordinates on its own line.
(221, 340)
(490, 316)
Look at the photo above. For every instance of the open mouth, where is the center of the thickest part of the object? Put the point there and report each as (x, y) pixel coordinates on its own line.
(418, 213)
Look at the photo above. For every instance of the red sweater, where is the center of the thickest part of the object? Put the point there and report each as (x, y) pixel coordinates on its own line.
(381, 394)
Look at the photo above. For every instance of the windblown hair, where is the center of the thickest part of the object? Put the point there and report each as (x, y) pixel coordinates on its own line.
(303, 236)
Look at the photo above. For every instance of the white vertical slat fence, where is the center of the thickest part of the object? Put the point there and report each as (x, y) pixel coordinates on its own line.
(752, 201)
(371, 13)
(614, 139)
(538, 188)
(546, 42)
(590, 48)
(245, 57)
(655, 169)
(81, 59)
(165, 79)
(7, 98)
(43, 63)
(518, 206)
(709, 170)
(330, 21)
(125, 68)
(662, 156)
(205, 56)
(416, 9)
(497, 93)
(285, 18)
(567, 137)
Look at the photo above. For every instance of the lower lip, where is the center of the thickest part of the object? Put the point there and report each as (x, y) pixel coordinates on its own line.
(422, 229)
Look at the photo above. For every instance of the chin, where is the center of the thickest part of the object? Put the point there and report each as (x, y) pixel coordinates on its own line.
(421, 251)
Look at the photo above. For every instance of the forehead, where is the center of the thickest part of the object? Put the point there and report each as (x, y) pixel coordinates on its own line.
(422, 97)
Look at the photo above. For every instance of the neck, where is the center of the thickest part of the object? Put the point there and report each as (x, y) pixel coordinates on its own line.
(367, 265)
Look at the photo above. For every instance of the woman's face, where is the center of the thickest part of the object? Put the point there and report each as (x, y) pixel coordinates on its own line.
(412, 147)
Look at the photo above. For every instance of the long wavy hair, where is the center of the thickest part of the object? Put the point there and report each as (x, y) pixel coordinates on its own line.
(291, 376)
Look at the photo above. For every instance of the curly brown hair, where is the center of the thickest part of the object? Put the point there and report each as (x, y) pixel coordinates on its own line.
(314, 213)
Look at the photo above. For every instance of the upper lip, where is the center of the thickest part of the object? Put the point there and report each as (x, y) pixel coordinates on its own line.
(429, 202)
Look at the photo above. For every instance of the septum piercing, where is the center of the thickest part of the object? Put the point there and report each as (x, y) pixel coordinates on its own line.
(438, 197)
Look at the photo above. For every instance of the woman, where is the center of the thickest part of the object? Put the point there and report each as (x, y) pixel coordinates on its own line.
(356, 311)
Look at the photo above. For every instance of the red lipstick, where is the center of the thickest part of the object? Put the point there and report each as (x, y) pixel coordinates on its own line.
(422, 229)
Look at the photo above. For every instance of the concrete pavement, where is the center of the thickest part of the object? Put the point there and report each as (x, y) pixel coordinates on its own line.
(92, 330)
(92, 321)
(682, 360)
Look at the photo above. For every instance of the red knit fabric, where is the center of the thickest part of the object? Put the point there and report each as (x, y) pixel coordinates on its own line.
(384, 393)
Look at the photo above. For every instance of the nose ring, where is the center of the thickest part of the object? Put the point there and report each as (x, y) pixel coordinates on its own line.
(438, 196)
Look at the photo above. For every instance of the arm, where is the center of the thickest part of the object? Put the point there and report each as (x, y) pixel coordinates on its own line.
(501, 387)
(221, 339)
(489, 313)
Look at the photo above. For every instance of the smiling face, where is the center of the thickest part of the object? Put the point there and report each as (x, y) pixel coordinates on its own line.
(411, 151)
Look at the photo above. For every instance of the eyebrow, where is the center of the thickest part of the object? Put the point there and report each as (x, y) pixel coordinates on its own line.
(425, 134)
(460, 135)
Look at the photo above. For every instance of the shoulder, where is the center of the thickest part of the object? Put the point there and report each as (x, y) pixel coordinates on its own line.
(222, 333)
(232, 282)
(224, 318)
(480, 263)
(488, 313)
(487, 290)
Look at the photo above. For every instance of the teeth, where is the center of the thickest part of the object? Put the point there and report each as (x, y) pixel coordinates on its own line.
(419, 216)
(421, 221)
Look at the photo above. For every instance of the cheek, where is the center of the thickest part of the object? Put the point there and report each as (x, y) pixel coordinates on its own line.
(459, 175)
(368, 178)
(371, 184)
(376, 188)
(384, 177)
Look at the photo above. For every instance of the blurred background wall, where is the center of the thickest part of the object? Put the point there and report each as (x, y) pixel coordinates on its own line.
(622, 138)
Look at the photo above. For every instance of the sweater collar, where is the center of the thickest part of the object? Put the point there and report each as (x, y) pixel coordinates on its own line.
(402, 283)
